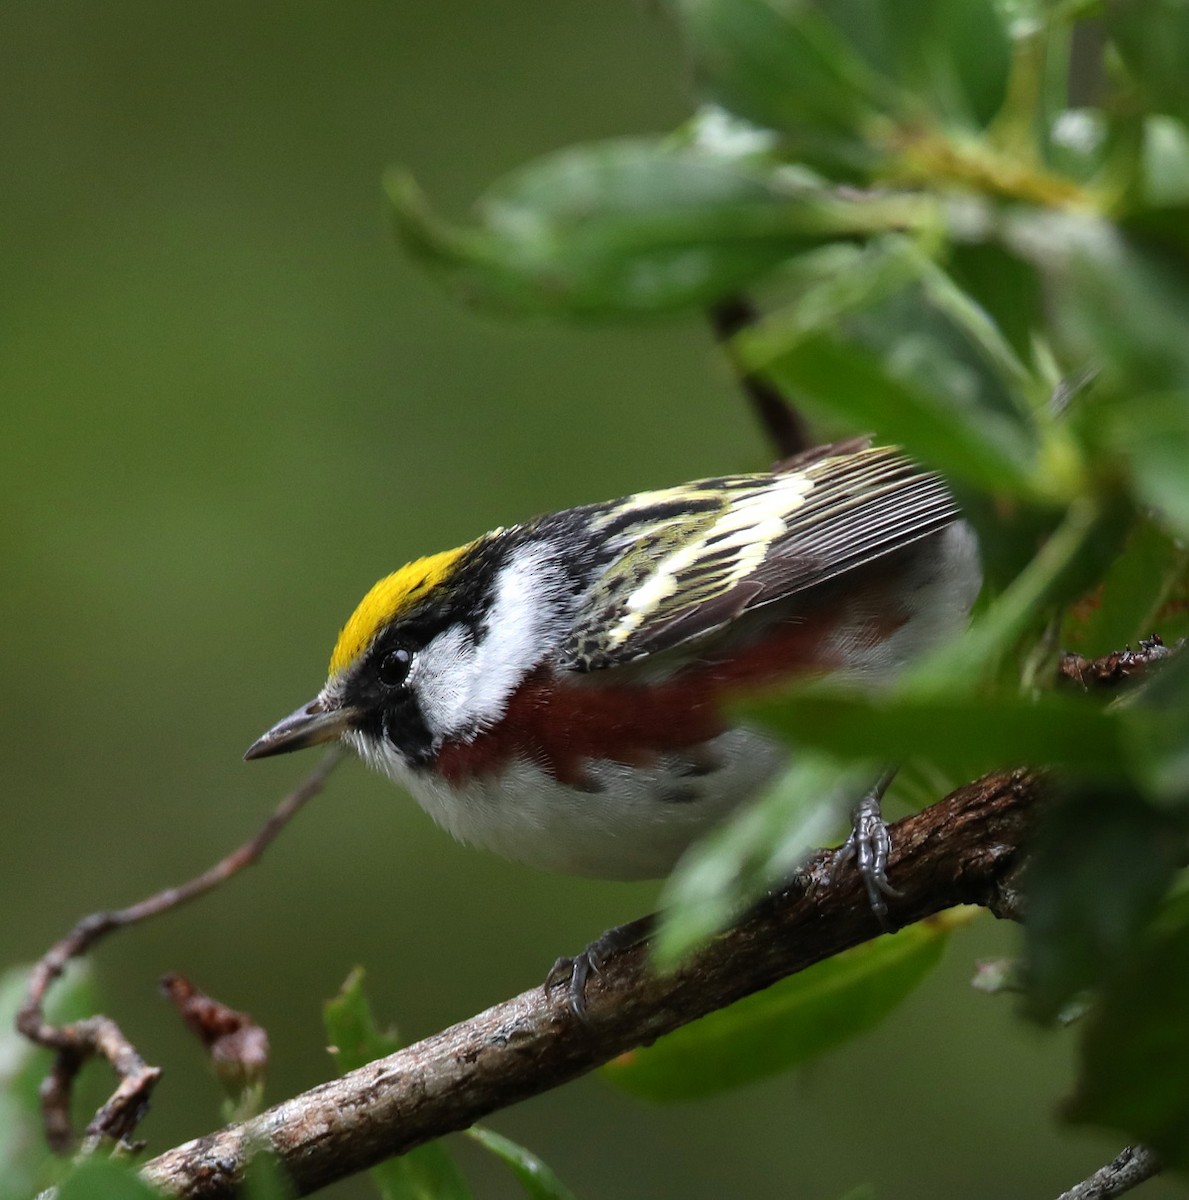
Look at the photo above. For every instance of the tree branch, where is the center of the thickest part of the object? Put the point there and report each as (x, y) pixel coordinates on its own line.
(1117, 668)
(963, 850)
(1136, 1165)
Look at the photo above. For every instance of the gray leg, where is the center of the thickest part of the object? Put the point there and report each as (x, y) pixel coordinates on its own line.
(869, 845)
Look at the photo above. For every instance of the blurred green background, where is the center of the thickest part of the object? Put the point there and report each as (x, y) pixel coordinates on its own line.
(229, 404)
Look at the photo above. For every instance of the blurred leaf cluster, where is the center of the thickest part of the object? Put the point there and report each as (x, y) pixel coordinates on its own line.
(791, 1023)
(967, 223)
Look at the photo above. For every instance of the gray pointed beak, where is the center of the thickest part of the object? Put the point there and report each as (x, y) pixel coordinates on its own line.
(312, 723)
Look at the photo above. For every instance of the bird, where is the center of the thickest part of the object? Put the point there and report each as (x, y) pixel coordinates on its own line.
(562, 691)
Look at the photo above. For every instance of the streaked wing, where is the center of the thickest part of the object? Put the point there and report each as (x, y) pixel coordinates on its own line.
(692, 559)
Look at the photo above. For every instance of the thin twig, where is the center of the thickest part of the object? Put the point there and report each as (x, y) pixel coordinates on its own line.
(960, 851)
(100, 1036)
(1136, 1165)
(785, 427)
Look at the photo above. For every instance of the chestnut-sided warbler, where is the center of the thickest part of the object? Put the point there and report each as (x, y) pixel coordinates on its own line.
(558, 691)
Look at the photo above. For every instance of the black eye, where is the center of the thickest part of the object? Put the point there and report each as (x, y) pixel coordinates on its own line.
(393, 669)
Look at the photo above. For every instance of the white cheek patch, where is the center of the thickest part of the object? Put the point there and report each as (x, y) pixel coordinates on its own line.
(463, 685)
(440, 678)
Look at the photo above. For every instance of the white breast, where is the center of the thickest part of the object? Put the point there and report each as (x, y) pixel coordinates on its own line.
(635, 826)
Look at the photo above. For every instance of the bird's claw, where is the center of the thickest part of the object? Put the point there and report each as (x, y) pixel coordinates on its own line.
(575, 972)
(869, 844)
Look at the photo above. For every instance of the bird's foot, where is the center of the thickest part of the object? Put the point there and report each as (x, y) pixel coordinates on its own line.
(574, 973)
(869, 844)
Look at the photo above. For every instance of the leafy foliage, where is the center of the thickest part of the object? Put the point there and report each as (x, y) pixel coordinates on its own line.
(1090, 836)
(426, 1173)
(788, 1025)
(1136, 1049)
(958, 257)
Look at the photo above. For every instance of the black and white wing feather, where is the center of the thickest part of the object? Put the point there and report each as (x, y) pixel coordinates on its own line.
(689, 560)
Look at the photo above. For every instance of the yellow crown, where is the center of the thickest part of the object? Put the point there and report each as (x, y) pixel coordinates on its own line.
(393, 595)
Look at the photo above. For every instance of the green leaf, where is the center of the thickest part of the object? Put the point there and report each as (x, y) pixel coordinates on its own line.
(902, 307)
(1152, 39)
(1149, 571)
(949, 61)
(1134, 1072)
(1004, 286)
(760, 848)
(1152, 433)
(104, 1179)
(1159, 728)
(355, 1038)
(640, 226)
(964, 735)
(264, 1179)
(830, 285)
(1102, 861)
(1122, 304)
(956, 314)
(782, 64)
(1164, 231)
(787, 1025)
(536, 1177)
(831, 75)
(970, 442)
(425, 1173)
(1166, 164)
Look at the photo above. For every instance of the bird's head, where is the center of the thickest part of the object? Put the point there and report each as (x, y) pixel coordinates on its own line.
(432, 653)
